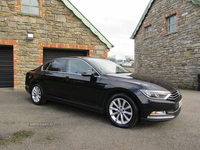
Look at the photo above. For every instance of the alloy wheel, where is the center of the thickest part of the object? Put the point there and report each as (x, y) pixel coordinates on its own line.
(120, 111)
(36, 94)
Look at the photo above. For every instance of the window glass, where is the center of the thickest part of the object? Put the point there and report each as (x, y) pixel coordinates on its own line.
(148, 31)
(26, 2)
(171, 23)
(57, 65)
(25, 9)
(77, 66)
(106, 66)
(35, 10)
(34, 3)
(30, 6)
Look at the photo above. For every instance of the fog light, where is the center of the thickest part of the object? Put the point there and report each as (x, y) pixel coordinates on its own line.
(158, 113)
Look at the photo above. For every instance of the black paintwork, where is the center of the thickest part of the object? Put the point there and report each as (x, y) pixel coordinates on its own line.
(91, 91)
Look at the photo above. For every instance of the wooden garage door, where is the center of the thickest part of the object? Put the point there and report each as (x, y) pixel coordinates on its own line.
(50, 54)
(6, 66)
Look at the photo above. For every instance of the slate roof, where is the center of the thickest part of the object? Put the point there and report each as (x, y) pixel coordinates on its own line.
(69, 5)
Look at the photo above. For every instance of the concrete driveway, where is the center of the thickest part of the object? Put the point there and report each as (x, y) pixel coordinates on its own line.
(57, 126)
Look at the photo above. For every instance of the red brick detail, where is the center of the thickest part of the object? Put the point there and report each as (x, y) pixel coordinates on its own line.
(165, 16)
(106, 54)
(91, 53)
(18, 6)
(41, 2)
(41, 45)
(15, 45)
(144, 30)
(42, 12)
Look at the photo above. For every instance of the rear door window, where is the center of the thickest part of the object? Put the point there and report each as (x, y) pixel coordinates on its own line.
(56, 65)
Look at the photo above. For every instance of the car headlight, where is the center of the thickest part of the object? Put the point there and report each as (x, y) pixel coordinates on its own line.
(163, 95)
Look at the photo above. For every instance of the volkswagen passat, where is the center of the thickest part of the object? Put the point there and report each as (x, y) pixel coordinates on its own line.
(103, 86)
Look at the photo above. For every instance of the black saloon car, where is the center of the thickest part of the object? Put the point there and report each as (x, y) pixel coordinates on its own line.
(103, 86)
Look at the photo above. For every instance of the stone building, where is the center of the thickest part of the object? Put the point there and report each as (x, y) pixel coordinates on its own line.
(167, 42)
(35, 31)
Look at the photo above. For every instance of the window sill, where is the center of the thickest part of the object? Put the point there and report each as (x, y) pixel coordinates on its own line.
(26, 14)
(147, 38)
(171, 33)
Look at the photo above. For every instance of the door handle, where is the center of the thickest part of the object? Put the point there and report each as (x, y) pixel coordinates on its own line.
(66, 78)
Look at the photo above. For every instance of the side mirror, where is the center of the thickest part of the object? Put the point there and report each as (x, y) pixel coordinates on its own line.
(87, 73)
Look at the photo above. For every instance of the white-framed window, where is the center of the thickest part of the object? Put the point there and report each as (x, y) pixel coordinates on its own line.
(172, 23)
(30, 7)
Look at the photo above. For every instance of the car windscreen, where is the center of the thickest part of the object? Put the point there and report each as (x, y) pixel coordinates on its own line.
(107, 66)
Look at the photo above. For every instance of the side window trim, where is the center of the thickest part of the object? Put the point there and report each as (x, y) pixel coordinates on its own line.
(46, 67)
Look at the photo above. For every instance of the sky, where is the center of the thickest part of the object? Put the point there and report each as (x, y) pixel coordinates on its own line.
(116, 20)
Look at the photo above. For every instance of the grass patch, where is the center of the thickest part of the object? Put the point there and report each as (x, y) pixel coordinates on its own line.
(14, 122)
(17, 137)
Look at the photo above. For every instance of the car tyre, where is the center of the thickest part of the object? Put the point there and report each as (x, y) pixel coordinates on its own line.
(122, 111)
(37, 95)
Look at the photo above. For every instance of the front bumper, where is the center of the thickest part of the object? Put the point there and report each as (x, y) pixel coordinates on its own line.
(164, 115)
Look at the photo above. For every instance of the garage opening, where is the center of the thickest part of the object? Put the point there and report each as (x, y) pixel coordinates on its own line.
(6, 67)
(51, 53)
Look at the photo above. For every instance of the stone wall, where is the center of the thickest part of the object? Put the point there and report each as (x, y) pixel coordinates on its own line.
(174, 57)
(55, 27)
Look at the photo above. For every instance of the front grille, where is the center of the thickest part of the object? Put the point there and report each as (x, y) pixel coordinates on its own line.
(174, 95)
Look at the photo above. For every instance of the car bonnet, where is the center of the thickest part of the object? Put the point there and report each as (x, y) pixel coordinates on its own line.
(169, 86)
(145, 81)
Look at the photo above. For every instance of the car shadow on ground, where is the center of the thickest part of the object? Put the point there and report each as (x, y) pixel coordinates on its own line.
(85, 114)
(71, 110)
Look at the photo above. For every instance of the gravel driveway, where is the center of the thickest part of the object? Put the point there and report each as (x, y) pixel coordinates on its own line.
(25, 126)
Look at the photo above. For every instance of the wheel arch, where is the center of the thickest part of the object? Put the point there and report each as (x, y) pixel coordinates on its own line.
(33, 83)
(124, 91)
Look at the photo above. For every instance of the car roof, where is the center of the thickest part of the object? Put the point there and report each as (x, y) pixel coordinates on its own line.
(80, 57)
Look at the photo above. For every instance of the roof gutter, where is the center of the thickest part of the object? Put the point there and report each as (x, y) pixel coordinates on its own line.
(195, 1)
(87, 23)
(142, 19)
